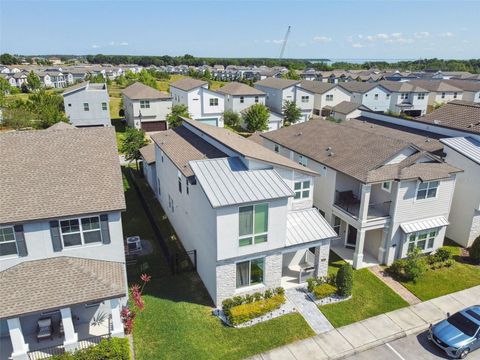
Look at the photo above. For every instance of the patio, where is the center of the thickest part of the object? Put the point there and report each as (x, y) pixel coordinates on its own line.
(347, 255)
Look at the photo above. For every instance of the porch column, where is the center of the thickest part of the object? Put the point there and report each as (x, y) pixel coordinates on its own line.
(20, 348)
(358, 254)
(117, 325)
(383, 247)
(321, 259)
(71, 337)
(364, 201)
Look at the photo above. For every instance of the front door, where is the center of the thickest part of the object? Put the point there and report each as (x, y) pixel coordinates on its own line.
(351, 237)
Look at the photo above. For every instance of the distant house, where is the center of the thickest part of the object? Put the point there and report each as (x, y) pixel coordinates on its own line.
(439, 92)
(406, 98)
(371, 95)
(347, 110)
(471, 89)
(87, 104)
(203, 104)
(145, 107)
(326, 96)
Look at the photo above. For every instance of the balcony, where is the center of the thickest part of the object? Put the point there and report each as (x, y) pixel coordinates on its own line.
(348, 202)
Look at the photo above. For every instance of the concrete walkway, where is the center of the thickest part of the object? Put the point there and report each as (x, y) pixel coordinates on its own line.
(393, 284)
(374, 331)
(309, 310)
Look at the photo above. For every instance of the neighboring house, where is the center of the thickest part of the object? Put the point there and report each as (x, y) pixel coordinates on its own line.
(471, 89)
(439, 92)
(61, 250)
(464, 152)
(204, 105)
(148, 166)
(20, 79)
(347, 110)
(326, 96)
(281, 90)
(145, 107)
(371, 95)
(242, 208)
(406, 98)
(87, 104)
(382, 188)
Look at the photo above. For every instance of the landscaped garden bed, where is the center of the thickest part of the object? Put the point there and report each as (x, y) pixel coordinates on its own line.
(334, 288)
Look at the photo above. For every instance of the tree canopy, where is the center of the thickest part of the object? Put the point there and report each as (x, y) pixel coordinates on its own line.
(33, 81)
(131, 144)
(178, 110)
(291, 112)
(256, 117)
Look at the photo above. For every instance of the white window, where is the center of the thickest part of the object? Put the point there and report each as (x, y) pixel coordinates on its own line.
(104, 106)
(329, 97)
(301, 189)
(421, 96)
(388, 96)
(336, 224)
(256, 99)
(455, 95)
(86, 107)
(387, 186)
(77, 232)
(8, 243)
(424, 240)
(250, 272)
(305, 99)
(404, 96)
(214, 102)
(242, 100)
(376, 97)
(144, 104)
(252, 224)
(443, 95)
(277, 148)
(302, 160)
(427, 190)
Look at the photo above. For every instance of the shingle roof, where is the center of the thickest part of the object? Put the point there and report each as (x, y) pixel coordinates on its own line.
(358, 87)
(398, 86)
(139, 91)
(317, 87)
(48, 284)
(276, 83)
(61, 126)
(49, 174)
(466, 146)
(188, 84)
(182, 145)
(235, 88)
(346, 107)
(465, 85)
(457, 114)
(148, 153)
(435, 85)
(227, 181)
(307, 225)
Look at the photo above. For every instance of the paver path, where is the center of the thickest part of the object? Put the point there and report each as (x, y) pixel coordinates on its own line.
(309, 310)
(393, 284)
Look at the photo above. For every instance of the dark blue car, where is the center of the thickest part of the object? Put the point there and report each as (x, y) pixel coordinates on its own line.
(459, 334)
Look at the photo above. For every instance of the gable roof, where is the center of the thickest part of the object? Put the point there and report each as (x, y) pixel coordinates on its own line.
(317, 87)
(357, 87)
(238, 89)
(435, 85)
(188, 84)
(61, 126)
(346, 107)
(276, 83)
(139, 91)
(148, 153)
(465, 85)
(398, 86)
(49, 174)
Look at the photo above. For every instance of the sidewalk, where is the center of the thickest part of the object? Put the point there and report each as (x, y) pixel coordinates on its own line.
(374, 331)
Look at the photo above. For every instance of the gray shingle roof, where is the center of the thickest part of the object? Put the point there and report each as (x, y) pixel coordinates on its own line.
(50, 284)
(276, 83)
(188, 84)
(139, 91)
(435, 85)
(238, 89)
(50, 174)
(346, 107)
(465, 85)
(357, 87)
(307, 225)
(227, 181)
(398, 86)
(148, 153)
(317, 87)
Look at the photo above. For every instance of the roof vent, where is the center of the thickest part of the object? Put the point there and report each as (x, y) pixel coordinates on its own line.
(437, 122)
(470, 126)
(298, 134)
(329, 148)
(427, 139)
(331, 153)
(372, 126)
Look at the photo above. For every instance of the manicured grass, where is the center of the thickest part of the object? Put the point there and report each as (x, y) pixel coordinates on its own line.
(115, 103)
(370, 297)
(119, 131)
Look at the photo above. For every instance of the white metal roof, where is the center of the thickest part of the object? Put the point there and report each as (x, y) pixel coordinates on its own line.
(227, 181)
(466, 146)
(307, 225)
(425, 224)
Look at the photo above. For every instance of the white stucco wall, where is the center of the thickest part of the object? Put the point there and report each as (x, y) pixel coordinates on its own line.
(95, 116)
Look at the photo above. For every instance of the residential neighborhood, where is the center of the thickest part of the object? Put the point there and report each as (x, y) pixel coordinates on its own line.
(222, 181)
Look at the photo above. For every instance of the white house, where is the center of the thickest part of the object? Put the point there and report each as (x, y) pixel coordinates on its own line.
(87, 104)
(382, 189)
(148, 165)
(326, 96)
(281, 90)
(204, 105)
(439, 92)
(471, 89)
(371, 95)
(406, 98)
(145, 107)
(62, 261)
(238, 96)
(242, 208)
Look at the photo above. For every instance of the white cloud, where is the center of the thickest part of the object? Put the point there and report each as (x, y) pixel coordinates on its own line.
(382, 36)
(321, 39)
(111, 43)
(446, 34)
(396, 35)
(277, 41)
(95, 46)
(422, 34)
(124, 43)
(357, 45)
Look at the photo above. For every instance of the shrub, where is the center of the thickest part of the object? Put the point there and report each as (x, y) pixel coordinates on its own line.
(231, 118)
(397, 269)
(113, 348)
(248, 298)
(227, 304)
(311, 283)
(475, 250)
(414, 265)
(245, 312)
(344, 280)
(279, 291)
(268, 294)
(237, 300)
(442, 254)
(324, 290)
(258, 296)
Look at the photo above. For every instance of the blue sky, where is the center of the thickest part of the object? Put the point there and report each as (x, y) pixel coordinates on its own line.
(381, 29)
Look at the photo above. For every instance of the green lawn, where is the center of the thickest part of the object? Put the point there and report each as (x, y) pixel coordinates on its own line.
(370, 297)
(177, 322)
(119, 131)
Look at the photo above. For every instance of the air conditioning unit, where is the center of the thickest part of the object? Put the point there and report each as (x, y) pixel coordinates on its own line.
(134, 244)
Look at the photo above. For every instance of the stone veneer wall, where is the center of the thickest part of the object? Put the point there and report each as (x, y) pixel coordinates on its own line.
(475, 229)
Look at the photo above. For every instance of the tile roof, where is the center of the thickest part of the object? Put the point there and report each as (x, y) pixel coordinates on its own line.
(276, 83)
(50, 284)
(148, 153)
(435, 85)
(50, 174)
(182, 145)
(317, 87)
(188, 84)
(457, 114)
(139, 91)
(307, 225)
(235, 88)
(227, 181)
(466, 146)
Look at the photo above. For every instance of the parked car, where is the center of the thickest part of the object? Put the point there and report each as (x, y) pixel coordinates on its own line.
(459, 334)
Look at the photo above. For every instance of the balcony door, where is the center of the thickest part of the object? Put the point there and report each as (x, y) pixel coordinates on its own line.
(351, 237)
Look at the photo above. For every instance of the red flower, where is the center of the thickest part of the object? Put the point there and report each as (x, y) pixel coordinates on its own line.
(145, 278)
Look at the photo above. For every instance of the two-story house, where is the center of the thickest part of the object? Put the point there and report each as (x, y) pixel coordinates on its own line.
(439, 92)
(145, 107)
(245, 210)
(383, 189)
(87, 104)
(203, 104)
(371, 95)
(281, 90)
(326, 96)
(471, 89)
(62, 262)
(406, 98)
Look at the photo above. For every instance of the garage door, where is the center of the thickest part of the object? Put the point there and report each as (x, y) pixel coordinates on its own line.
(149, 126)
(209, 121)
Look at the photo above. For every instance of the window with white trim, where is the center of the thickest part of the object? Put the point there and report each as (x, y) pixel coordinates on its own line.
(302, 160)
(376, 97)
(276, 148)
(424, 240)
(214, 102)
(144, 104)
(252, 224)
(301, 189)
(427, 190)
(443, 95)
(455, 95)
(8, 243)
(404, 96)
(336, 224)
(387, 186)
(250, 272)
(104, 106)
(77, 232)
(256, 99)
(329, 97)
(305, 99)
(86, 107)
(242, 99)
(421, 96)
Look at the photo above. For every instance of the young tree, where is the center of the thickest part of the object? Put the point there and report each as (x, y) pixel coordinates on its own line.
(291, 74)
(46, 109)
(5, 87)
(132, 142)
(414, 265)
(344, 280)
(121, 81)
(147, 78)
(231, 118)
(256, 117)
(291, 112)
(33, 81)
(173, 118)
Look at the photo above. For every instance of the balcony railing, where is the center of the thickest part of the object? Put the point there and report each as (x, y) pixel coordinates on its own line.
(350, 203)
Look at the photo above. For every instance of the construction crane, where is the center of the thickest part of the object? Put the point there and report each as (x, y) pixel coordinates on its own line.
(284, 44)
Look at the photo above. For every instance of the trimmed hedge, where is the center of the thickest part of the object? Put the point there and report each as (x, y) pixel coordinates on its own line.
(344, 280)
(324, 290)
(248, 311)
(107, 349)
(475, 250)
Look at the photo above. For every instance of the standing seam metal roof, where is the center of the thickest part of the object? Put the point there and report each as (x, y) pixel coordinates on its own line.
(307, 225)
(466, 146)
(425, 224)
